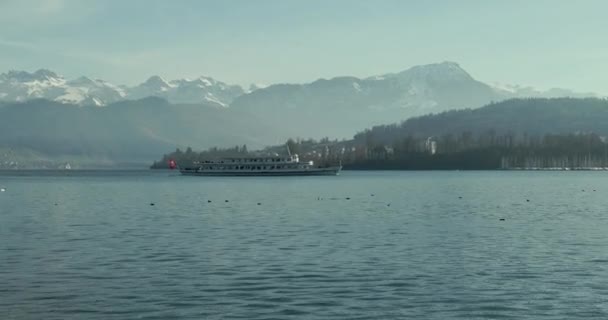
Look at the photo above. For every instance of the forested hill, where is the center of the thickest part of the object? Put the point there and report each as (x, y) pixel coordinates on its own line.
(536, 116)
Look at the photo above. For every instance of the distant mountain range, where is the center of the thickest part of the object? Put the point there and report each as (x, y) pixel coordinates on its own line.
(424, 88)
(43, 113)
(18, 86)
(336, 106)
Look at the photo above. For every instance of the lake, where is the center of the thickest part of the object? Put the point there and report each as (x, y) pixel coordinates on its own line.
(362, 245)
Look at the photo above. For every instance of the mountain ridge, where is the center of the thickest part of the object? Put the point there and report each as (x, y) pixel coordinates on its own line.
(97, 119)
(18, 86)
(43, 83)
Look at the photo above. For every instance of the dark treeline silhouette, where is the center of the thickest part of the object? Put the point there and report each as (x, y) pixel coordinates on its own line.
(489, 151)
(517, 116)
(519, 133)
(189, 157)
(466, 151)
(307, 149)
(560, 133)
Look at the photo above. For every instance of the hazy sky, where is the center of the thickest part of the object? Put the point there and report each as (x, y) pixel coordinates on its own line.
(540, 43)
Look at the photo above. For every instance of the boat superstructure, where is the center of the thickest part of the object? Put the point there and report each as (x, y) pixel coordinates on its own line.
(259, 166)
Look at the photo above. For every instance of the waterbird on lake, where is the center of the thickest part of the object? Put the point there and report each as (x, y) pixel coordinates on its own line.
(151, 203)
(2, 189)
(208, 201)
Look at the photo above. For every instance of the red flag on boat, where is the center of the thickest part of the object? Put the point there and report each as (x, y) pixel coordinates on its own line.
(172, 164)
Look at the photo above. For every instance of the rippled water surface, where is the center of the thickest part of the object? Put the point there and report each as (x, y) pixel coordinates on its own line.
(363, 245)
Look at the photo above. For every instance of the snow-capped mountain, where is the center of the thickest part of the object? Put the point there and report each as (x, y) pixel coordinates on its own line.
(45, 84)
(142, 129)
(340, 104)
(256, 86)
(203, 89)
(518, 91)
(415, 91)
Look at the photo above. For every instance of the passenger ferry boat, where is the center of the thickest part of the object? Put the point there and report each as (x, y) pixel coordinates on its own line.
(260, 166)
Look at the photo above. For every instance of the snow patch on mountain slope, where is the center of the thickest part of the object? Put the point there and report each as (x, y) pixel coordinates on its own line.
(22, 85)
(512, 90)
(420, 85)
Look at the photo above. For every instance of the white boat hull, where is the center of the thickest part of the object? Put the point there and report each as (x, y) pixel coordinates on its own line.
(329, 171)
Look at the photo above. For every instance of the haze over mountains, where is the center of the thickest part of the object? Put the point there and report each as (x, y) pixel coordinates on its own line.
(424, 87)
(45, 114)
